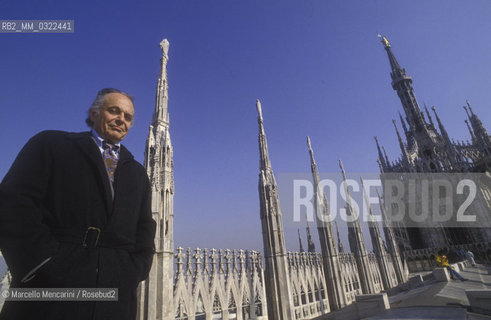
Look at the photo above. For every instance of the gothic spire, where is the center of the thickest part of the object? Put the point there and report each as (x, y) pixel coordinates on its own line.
(277, 282)
(264, 163)
(429, 116)
(161, 114)
(394, 65)
(313, 165)
(452, 152)
(380, 155)
(482, 140)
(157, 290)
(357, 243)
(443, 131)
(356, 240)
(402, 83)
(327, 241)
(479, 131)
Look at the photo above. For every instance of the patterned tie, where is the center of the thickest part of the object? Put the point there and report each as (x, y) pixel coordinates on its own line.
(110, 158)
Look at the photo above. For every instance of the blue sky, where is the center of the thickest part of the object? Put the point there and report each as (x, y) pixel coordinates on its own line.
(317, 66)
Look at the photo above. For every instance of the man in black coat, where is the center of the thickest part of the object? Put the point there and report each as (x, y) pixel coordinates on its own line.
(75, 213)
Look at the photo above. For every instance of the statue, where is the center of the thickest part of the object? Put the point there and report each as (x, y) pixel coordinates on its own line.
(164, 45)
(385, 41)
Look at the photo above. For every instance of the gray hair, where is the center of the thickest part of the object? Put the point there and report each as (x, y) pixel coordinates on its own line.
(99, 101)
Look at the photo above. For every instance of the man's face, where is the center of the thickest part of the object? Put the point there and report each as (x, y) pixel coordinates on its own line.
(112, 122)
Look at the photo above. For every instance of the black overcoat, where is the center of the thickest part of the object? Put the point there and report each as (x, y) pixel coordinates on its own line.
(56, 189)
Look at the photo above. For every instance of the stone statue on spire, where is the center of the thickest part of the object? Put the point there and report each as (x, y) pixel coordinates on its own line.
(385, 41)
(164, 45)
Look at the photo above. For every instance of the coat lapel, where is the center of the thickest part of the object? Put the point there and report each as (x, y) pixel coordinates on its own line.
(124, 157)
(90, 149)
(120, 176)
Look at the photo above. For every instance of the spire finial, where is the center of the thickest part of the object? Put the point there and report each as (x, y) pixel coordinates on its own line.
(381, 159)
(259, 110)
(308, 143)
(264, 162)
(161, 114)
(385, 41)
(164, 45)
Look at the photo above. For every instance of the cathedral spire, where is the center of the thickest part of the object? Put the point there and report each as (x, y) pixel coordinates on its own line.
(356, 240)
(394, 65)
(264, 163)
(443, 131)
(380, 155)
(479, 131)
(402, 83)
(330, 259)
(454, 159)
(429, 116)
(482, 141)
(277, 282)
(156, 292)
